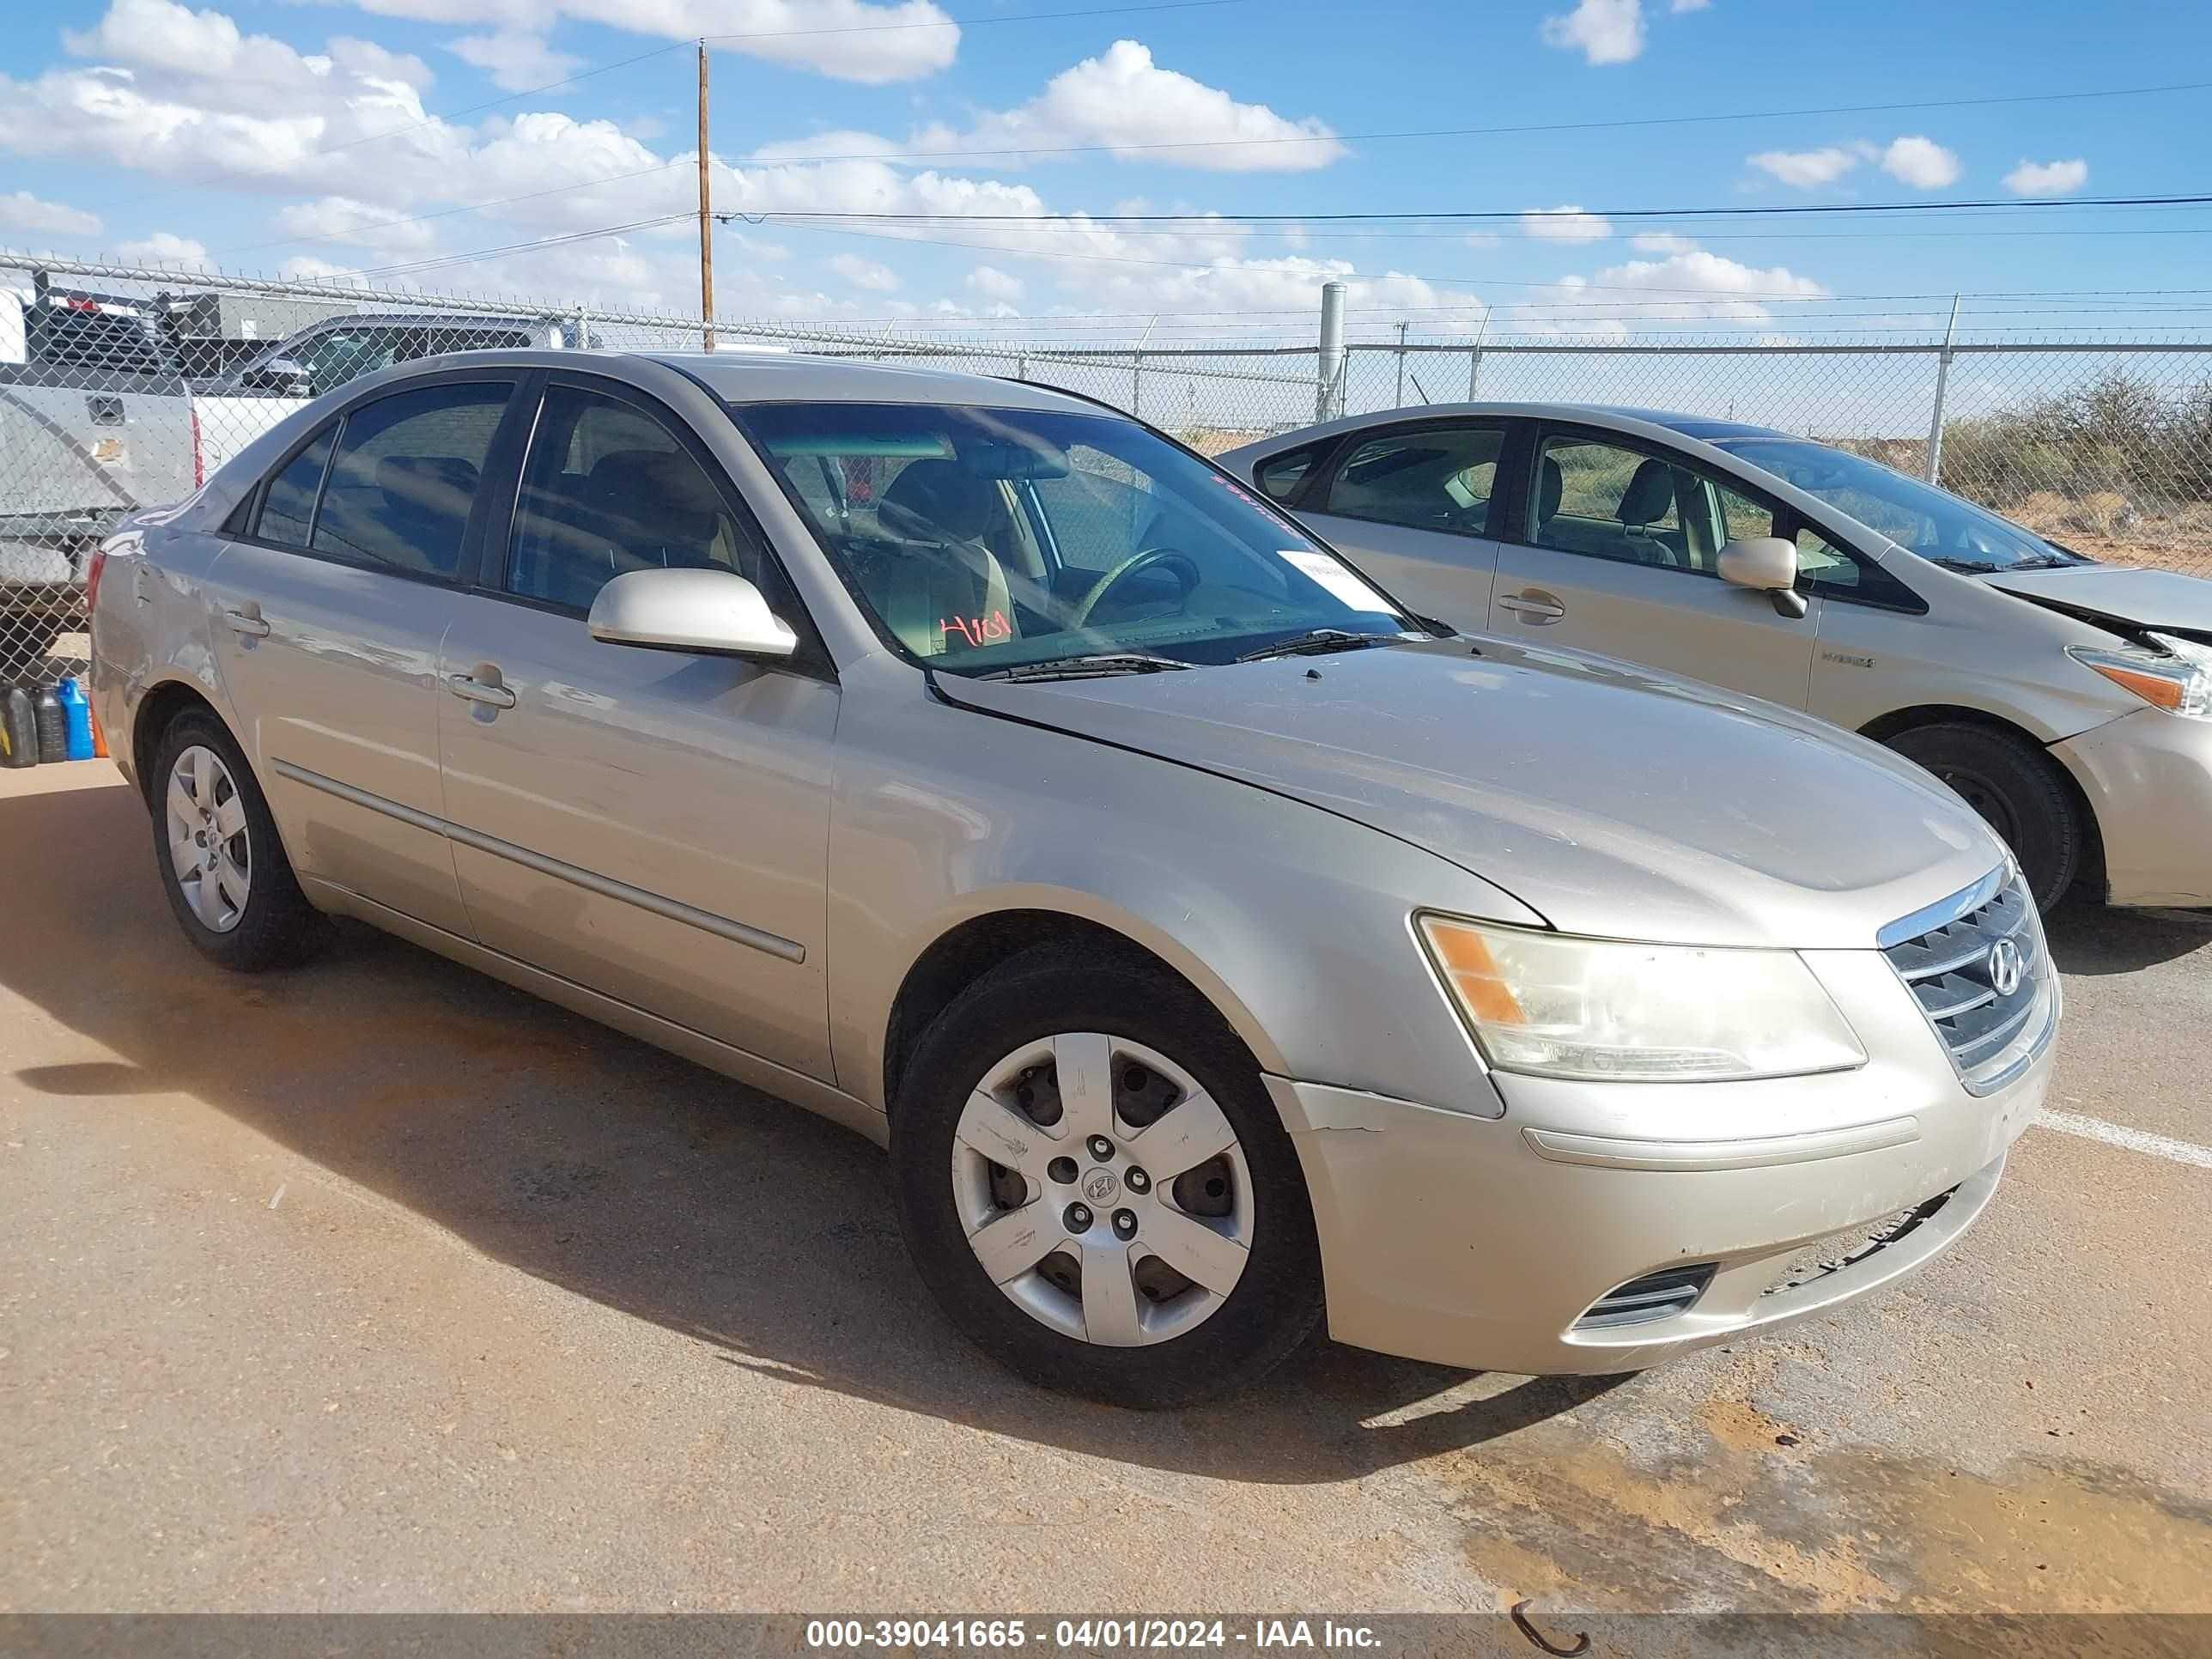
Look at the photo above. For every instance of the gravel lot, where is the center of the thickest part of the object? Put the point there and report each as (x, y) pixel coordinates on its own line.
(378, 1287)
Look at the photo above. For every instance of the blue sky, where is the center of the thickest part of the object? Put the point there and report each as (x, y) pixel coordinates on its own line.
(266, 135)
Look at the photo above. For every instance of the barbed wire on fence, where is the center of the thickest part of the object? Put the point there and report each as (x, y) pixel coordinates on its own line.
(123, 386)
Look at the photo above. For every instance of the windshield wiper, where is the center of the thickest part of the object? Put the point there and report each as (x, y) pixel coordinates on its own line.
(1317, 641)
(1084, 668)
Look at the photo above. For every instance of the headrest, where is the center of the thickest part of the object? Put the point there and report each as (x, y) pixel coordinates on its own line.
(956, 502)
(435, 484)
(1650, 493)
(635, 482)
(1552, 486)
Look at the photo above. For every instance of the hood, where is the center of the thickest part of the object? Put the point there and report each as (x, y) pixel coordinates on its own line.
(1610, 800)
(2161, 599)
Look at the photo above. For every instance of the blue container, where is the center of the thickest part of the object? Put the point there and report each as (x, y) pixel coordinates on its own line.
(77, 711)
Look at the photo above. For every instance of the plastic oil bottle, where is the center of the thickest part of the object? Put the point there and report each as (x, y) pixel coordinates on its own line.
(19, 729)
(76, 718)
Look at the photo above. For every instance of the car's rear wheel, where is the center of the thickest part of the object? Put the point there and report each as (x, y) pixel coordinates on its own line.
(221, 866)
(1096, 1187)
(2015, 788)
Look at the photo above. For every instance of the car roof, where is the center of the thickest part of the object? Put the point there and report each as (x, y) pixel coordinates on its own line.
(1703, 428)
(742, 377)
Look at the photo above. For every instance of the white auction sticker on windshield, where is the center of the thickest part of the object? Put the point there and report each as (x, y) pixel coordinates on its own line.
(1341, 581)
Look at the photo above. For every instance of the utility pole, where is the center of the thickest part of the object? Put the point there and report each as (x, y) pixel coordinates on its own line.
(706, 214)
(1328, 361)
(1943, 384)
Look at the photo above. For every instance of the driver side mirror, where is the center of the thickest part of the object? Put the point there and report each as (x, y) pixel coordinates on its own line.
(716, 612)
(1767, 564)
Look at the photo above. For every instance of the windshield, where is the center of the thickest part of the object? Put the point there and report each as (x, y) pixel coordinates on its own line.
(984, 540)
(1933, 523)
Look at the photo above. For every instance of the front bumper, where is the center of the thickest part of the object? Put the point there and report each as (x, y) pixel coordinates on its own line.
(2149, 778)
(1481, 1242)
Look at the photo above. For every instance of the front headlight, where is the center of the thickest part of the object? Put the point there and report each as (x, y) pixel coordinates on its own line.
(2178, 678)
(1559, 1007)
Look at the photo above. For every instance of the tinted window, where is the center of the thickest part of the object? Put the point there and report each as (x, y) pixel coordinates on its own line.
(1438, 479)
(607, 489)
(405, 476)
(1279, 476)
(79, 334)
(288, 509)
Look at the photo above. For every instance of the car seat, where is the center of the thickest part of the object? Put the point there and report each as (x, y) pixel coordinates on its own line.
(957, 599)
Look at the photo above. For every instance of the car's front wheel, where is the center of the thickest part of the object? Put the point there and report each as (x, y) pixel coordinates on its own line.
(221, 866)
(1096, 1187)
(2016, 789)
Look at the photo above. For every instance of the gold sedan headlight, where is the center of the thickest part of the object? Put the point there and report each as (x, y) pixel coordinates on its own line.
(1556, 1006)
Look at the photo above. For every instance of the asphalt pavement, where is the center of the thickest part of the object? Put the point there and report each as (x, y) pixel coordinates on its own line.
(379, 1285)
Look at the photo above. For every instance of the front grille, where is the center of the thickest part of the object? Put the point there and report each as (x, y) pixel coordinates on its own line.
(1950, 967)
(1656, 1295)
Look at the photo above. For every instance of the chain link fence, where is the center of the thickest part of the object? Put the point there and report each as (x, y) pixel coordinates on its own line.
(125, 386)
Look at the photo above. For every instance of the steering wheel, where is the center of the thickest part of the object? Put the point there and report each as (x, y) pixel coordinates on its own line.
(1186, 575)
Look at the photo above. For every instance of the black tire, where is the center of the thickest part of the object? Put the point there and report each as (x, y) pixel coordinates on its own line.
(2016, 789)
(1275, 1303)
(277, 927)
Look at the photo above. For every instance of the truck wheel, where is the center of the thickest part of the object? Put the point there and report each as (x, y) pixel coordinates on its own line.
(1098, 1189)
(221, 866)
(2015, 788)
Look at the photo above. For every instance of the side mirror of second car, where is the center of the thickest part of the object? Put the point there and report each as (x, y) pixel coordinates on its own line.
(1768, 564)
(718, 612)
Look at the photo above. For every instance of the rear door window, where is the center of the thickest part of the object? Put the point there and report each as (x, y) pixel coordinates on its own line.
(1438, 478)
(405, 478)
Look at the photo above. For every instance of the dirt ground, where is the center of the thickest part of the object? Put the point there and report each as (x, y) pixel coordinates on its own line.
(377, 1285)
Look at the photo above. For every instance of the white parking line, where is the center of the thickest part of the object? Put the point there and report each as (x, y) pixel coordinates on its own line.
(2135, 1140)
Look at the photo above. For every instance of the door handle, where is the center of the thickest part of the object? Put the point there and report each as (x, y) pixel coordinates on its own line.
(473, 689)
(247, 620)
(1534, 606)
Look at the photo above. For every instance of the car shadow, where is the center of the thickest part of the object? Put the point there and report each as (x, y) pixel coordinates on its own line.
(618, 1172)
(2093, 940)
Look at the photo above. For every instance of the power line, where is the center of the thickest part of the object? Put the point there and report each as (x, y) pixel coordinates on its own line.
(1486, 216)
(511, 248)
(1521, 129)
(976, 22)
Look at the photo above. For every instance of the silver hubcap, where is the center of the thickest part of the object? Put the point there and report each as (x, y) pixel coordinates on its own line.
(208, 848)
(1103, 1191)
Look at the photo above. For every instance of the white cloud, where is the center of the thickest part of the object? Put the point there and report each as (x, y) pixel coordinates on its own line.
(22, 211)
(516, 59)
(1604, 31)
(1661, 241)
(845, 40)
(1920, 163)
(348, 223)
(1808, 169)
(164, 248)
(1689, 5)
(1122, 101)
(1694, 287)
(995, 284)
(863, 273)
(1565, 224)
(2047, 177)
